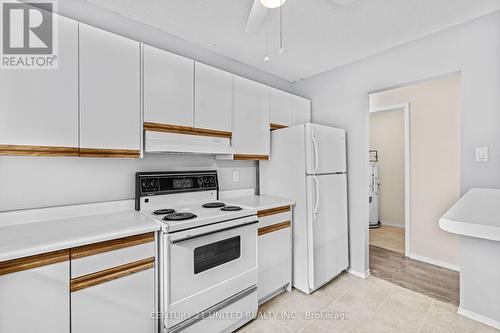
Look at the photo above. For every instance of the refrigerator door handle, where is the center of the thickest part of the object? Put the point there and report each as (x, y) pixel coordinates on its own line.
(315, 147)
(316, 199)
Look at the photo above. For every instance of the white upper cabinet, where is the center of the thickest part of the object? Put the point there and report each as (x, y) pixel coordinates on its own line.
(168, 88)
(301, 110)
(39, 107)
(214, 91)
(281, 108)
(251, 119)
(109, 92)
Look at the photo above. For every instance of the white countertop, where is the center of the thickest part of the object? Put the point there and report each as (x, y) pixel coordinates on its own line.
(260, 202)
(476, 214)
(26, 239)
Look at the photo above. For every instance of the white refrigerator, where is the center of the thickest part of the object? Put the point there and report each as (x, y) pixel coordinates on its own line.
(308, 165)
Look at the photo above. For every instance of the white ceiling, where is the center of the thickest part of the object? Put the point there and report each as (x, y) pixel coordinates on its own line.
(319, 34)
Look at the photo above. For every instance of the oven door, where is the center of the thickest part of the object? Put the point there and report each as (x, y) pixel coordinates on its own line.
(208, 265)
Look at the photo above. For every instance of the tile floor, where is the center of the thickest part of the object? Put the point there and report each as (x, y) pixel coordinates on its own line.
(351, 304)
(387, 237)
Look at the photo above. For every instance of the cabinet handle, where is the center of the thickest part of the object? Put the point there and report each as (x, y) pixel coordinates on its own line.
(39, 260)
(110, 274)
(111, 245)
(272, 211)
(273, 228)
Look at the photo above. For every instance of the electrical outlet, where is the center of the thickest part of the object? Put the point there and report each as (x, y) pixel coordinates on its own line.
(236, 176)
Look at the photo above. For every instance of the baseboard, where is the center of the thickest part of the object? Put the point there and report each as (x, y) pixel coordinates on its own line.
(359, 274)
(435, 262)
(480, 318)
(392, 224)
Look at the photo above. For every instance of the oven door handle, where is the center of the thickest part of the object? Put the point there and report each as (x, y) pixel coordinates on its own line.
(176, 241)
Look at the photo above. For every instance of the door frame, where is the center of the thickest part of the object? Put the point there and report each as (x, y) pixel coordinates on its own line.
(406, 112)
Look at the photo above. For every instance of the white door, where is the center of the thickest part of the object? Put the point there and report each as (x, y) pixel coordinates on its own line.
(109, 90)
(251, 135)
(214, 92)
(281, 107)
(325, 149)
(40, 107)
(327, 227)
(125, 305)
(301, 110)
(35, 300)
(168, 88)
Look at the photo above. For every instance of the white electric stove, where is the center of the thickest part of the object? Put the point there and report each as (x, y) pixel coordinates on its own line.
(207, 252)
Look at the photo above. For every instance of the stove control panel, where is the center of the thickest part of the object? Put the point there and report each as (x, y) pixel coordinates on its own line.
(154, 183)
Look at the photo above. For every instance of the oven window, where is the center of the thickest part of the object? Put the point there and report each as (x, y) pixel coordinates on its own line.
(215, 254)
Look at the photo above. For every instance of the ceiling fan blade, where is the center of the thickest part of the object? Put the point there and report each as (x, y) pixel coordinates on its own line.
(256, 18)
(344, 2)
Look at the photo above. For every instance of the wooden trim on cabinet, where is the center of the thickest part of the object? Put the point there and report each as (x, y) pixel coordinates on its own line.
(110, 274)
(44, 259)
(157, 127)
(114, 244)
(209, 132)
(273, 227)
(21, 150)
(273, 211)
(277, 126)
(114, 153)
(250, 157)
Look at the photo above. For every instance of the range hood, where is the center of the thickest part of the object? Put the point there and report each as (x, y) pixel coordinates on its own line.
(164, 142)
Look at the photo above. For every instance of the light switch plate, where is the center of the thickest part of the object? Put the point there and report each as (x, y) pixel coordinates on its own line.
(481, 154)
(236, 176)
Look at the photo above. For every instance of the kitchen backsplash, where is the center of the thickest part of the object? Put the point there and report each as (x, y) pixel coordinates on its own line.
(33, 182)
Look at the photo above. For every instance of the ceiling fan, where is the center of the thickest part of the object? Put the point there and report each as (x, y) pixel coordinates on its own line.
(257, 15)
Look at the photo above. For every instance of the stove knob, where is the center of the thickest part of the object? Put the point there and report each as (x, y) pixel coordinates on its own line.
(146, 183)
(200, 181)
(153, 182)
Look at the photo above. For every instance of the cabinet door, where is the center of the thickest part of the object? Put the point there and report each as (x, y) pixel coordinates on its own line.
(168, 88)
(213, 98)
(109, 93)
(251, 137)
(301, 110)
(274, 261)
(281, 108)
(37, 299)
(40, 107)
(125, 305)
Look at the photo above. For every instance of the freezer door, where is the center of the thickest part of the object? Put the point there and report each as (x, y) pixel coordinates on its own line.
(327, 228)
(325, 149)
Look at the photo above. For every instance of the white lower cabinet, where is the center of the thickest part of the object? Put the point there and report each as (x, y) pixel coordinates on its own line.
(274, 254)
(34, 300)
(124, 305)
(113, 286)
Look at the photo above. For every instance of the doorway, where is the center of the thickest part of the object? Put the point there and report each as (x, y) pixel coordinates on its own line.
(419, 128)
(390, 177)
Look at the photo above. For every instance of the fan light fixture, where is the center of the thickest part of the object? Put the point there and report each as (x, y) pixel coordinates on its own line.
(272, 3)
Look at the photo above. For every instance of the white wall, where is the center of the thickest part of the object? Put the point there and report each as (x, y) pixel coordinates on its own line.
(30, 182)
(340, 98)
(387, 137)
